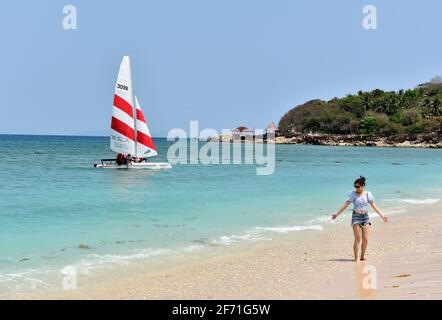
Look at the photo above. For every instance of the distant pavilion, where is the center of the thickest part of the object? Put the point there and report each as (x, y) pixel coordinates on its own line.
(272, 129)
(242, 133)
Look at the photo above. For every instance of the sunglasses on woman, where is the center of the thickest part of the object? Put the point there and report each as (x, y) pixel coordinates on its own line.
(357, 186)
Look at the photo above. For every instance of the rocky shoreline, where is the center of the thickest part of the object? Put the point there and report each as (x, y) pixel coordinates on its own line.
(433, 140)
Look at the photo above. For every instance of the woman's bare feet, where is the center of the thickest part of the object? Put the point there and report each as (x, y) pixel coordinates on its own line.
(362, 258)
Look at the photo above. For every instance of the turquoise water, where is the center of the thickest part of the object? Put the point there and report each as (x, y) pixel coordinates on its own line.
(53, 200)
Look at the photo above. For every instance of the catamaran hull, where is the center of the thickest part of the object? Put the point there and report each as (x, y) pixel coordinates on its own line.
(147, 165)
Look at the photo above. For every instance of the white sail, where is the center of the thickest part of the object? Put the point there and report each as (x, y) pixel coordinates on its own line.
(122, 137)
(145, 144)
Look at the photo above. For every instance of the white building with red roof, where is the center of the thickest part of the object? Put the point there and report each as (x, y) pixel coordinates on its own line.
(242, 133)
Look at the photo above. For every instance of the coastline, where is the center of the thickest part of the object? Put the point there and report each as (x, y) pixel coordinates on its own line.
(301, 265)
(433, 140)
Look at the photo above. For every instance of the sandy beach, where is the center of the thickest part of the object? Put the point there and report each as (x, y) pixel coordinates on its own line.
(404, 259)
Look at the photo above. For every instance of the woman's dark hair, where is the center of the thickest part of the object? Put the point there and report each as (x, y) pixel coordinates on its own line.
(360, 181)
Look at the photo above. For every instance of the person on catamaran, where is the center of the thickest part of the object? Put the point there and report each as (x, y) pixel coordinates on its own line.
(129, 159)
(120, 159)
(360, 221)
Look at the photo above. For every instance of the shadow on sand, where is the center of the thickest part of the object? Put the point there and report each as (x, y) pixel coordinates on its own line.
(342, 260)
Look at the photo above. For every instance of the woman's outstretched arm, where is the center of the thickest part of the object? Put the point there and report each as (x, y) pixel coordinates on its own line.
(379, 212)
(344, 206)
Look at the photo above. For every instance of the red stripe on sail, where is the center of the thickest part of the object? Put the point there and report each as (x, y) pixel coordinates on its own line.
(123, 128)
(144, 139)
(140, 116)
(123, 105)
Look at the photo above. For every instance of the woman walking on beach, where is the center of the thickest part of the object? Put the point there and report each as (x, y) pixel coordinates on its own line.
(360, 221)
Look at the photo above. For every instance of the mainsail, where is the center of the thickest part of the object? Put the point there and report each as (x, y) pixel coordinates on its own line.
(122, 138)
(145, 144)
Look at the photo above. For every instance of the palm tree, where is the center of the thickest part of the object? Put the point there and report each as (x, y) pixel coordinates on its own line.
(377, 93)
(432, 107)
(366, 100)
(436, 107)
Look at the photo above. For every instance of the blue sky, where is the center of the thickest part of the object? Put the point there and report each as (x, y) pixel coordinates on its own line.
(224, 63)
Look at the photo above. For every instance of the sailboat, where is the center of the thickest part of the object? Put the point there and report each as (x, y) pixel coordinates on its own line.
(129, 135)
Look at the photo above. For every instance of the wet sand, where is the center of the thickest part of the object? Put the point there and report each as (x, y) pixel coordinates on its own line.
(404, 261)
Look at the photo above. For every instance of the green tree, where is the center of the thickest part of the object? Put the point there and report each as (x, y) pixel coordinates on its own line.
(380, 112)
(368, 124)
(432, 107)
(410, 117)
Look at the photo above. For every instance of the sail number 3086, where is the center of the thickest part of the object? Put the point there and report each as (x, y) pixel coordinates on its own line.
(122, 87)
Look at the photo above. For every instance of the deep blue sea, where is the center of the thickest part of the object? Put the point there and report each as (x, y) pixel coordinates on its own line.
(57, 210)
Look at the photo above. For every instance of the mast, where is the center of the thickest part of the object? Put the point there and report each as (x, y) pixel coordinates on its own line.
(134, 109)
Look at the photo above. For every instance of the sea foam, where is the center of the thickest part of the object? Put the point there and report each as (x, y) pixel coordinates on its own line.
(287, 229)
(415, 201)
